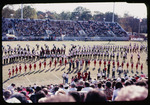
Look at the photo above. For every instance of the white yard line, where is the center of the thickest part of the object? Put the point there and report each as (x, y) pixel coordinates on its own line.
(56, 76)
(28, 79)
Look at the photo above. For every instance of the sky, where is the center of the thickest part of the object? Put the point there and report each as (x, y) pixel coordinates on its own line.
(138, 10)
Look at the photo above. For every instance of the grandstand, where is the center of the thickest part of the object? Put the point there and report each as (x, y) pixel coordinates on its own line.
(79, 30)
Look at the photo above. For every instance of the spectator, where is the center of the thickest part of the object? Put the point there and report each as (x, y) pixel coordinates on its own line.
(57, 98)
(108, 91)
(95, 96)
(115, 92)
(72, 88)
(132, 93)
(7, 94)
(75, 95)
(99, 87)
(86, 87)
(20, 97)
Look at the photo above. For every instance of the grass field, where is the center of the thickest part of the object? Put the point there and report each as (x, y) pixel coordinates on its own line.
(54, 75)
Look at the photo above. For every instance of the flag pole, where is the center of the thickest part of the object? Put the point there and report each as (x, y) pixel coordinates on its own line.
(21, 11)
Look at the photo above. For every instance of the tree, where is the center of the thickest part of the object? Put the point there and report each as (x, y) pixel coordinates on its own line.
(98, 16)
(81, 13)
(7, 12)
(108, 17)
(28, 12)
(65, 15)
(40, 15)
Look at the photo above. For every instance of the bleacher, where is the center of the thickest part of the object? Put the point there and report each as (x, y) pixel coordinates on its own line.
(69, 28)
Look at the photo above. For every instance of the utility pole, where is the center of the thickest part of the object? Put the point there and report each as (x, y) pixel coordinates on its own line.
(21, 11)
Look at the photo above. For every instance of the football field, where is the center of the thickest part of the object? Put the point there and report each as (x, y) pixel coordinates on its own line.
(53, 75)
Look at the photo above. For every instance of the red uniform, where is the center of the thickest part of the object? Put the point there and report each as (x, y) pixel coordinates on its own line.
(65, 62)
(55, 62)
(100, 62)
(136, 66)
(113, 63)
(13, 71)
(132, 65)
(34, 66)
(108, 62)
(16, 70)
(104, 63)
(60, 61)
(122, 64)
(141, 66)
(94, 62)
(25, 68)
(30, 66)
(118, 64)
(86, 74)
(82, 62)
(9, 73)
(105, 69)
(79, 75)
(44, 64)
(50, 63)
(20, 68)
(127, 65)
(40, 65)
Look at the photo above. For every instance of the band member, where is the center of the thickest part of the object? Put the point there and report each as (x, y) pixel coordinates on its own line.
(113, 63)
(25, 68)
(95, 62)
(20, 68)
(55, 62)
(34, 66)
(132, 67)
(50, 63)
(44, 64)
(122, 64)
(104, 63)
(65, 61)
(100, 62)
(30, 67)
(40, 64)
(16, 69)
(89, 62)
(13, 70)
(137, 67)
(141, 67)
(9, 73)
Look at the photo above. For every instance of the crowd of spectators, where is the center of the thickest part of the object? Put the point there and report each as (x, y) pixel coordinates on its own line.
(62, 27)
(6, 25)
(133, 88)
(116, 29)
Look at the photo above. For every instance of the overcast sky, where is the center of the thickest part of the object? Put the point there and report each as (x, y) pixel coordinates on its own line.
(138, 10)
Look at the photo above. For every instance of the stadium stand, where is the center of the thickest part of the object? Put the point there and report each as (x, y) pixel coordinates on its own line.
(102, 90)
(69, 28)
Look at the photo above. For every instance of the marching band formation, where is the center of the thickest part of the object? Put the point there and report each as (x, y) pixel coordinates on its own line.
(77, 56)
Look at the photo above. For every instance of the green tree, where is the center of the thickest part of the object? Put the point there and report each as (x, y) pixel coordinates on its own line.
(7, 12)
(65, 15)
(28, 12)
(98, 16)
(81, 13)
(40, 15)
(108, 17)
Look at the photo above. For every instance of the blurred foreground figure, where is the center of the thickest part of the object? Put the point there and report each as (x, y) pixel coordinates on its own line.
(132, 93)
(57, 98)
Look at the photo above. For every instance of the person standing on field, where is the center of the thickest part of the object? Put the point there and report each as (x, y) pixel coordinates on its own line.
(20, 68)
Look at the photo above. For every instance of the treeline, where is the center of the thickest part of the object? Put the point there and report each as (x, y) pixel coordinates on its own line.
(129, 23)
